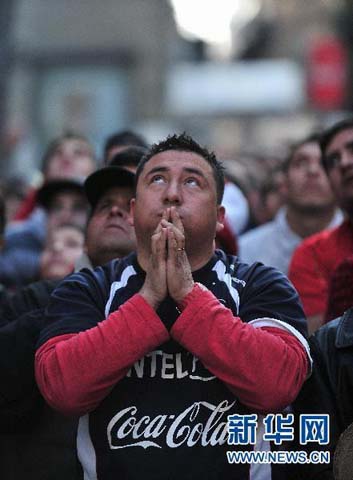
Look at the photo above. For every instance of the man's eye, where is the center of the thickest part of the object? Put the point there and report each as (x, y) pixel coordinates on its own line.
(102, 206)
(157, 179)
(80, 151)
(192, 181)
(298, 163)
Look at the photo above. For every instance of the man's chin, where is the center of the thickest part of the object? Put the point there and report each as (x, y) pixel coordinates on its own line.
(313, 208)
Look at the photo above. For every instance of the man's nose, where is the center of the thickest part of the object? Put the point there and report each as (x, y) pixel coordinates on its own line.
(57, 247)
(314, 168)
(116, 210)
(172, 194)
(66, 159)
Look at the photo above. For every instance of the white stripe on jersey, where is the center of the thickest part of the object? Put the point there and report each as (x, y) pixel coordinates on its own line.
(220, 269)
(85, 449)
(126, 274)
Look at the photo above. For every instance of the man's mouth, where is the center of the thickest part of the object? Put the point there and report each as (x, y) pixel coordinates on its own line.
(115, 226)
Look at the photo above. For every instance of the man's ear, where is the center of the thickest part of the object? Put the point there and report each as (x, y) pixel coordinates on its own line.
(221, 212)
(132, 211)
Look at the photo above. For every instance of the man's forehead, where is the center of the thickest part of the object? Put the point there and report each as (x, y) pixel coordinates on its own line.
(311, 149)
(68, 195)
(74, 143)
(178, 159)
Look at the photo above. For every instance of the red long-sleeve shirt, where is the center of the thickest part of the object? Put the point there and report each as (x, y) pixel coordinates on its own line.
(264, 367)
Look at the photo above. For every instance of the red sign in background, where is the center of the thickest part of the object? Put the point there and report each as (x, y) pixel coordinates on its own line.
(327, 73)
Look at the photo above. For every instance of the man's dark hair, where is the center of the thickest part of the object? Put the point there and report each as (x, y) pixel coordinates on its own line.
(130, 157)
(123, 138)
(185, 143)
(328, 135)
(314, 137)
(56, 142)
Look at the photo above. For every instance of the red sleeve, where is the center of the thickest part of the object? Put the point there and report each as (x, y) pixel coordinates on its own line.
(264, 367)
(75, 372)
(308, 278)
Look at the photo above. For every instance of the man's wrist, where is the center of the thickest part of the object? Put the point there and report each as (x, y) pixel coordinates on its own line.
(193, 293)
(150, 299)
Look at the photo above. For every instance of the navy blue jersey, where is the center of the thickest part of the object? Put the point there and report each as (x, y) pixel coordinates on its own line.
(167, 418)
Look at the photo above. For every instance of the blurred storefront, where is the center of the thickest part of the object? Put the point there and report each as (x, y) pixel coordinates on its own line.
(100, 66)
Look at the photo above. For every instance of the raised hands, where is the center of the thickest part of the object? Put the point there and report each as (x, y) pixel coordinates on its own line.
(179, 277)
(169, 270)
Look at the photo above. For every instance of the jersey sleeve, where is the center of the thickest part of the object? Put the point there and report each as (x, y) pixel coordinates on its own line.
(77, 304)
(264, 368)
(81, 354)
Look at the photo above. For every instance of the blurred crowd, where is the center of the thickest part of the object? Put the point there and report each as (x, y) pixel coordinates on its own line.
(272, 204)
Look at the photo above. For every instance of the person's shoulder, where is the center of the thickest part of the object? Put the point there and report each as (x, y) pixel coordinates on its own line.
(323, 238)
(114, 271)
(251, 242)
(34, 296)
(258, 233)
(337, 333)
(118, 268)
(242, 271)
(325, 337)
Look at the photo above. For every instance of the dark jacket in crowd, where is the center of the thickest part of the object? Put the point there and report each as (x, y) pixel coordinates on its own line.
(35, 441)
(330, 388)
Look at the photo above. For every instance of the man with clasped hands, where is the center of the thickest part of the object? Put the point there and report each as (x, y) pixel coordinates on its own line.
(156, 349)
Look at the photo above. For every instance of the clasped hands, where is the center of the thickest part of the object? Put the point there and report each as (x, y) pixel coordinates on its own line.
(168, 271)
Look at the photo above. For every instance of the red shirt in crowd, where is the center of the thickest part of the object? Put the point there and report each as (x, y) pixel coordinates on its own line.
(313, 262)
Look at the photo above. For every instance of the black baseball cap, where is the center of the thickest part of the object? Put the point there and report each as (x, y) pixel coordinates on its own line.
(52, 187)
(105, 178)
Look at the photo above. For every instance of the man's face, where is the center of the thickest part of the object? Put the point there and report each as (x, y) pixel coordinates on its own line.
(306, 182)
(339, 161)
(68, 207)
(184, 180)
(71, 159)
(109, 232)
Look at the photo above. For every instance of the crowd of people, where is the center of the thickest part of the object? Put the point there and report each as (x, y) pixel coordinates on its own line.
(151, 296)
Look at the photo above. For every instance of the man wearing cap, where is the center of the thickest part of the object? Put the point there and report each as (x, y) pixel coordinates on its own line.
(109, 233)
(155, 350)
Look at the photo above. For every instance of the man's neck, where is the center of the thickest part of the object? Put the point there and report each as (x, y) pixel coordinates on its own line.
(305, 225)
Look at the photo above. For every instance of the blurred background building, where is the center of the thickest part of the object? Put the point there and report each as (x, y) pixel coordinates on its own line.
(237, 74)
